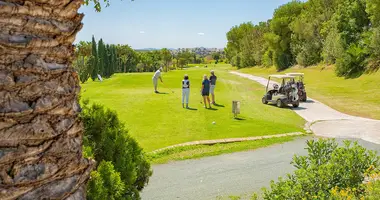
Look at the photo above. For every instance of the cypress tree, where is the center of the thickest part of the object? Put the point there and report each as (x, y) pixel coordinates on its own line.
(106, 61)
(101, 55)
(94, 60)
(114, 60)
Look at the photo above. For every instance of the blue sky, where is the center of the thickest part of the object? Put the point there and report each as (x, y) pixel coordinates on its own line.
(172, 23)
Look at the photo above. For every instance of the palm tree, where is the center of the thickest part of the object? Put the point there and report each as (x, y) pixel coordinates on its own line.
(40, 132)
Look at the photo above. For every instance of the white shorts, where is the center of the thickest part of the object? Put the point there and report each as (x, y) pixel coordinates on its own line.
(212, 89)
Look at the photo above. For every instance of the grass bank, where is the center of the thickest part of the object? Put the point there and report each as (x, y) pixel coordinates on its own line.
(359, 96)
(199, 151)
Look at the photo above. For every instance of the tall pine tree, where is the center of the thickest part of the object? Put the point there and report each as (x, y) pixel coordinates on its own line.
(94, 60)
(101, 55)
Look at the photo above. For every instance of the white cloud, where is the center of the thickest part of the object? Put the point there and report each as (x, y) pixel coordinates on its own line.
(142, 32)
(201, 34)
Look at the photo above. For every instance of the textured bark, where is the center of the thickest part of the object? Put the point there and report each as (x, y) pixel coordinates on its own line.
(40, 134)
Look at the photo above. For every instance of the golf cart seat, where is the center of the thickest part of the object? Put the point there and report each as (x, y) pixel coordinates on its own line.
(281, 90)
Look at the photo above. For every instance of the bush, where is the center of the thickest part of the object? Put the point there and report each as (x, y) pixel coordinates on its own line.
(267, 58)
(282, 60)
(374, 50)
(83, 66)
(236, 61)
(333, 47)
(325, 167)
(371, 190)
(309, 54)
(351, 64)
(105, 183)
(108, 140)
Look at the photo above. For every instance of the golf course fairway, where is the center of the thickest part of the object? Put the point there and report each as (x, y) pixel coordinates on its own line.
(158, 120)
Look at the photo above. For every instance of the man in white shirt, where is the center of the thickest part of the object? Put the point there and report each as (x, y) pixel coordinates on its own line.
(156, 76)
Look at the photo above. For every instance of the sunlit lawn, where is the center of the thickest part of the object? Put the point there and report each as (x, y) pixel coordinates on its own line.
(359, 96)
(158, 120)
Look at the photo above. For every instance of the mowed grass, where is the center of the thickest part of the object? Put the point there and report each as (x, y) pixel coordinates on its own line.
(359, 96)
(199, 151)
(158, 120)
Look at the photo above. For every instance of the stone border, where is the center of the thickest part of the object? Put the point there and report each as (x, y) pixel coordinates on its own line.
(227, 140)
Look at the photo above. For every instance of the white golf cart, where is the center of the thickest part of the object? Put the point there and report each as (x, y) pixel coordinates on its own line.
(282, 95)
(300, 85)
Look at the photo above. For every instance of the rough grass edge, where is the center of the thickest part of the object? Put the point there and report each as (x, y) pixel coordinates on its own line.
(227, 140)
(173, 154)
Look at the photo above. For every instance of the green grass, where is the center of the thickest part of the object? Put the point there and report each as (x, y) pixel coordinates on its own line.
(158, 120)
(359, 96)
(198, 151)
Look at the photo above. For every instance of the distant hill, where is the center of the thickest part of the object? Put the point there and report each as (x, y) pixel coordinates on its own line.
(147, 49)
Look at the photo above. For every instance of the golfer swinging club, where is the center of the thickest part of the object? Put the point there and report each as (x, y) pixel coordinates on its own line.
(156, 76)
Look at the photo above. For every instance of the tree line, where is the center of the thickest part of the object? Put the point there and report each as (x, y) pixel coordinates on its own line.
(98, 58)
(341, 32)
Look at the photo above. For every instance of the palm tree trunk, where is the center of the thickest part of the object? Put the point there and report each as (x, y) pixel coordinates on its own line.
(40, 133)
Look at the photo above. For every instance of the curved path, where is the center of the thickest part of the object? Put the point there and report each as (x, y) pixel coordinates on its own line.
(247, 172)
(327, 122)
(224, 175)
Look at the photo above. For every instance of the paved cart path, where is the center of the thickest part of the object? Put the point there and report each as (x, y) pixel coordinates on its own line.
(327, 122)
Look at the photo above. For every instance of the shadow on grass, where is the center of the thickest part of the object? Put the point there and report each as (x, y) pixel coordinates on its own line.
(239, 119)
(162, 93)
(219, 105)
(191, 109)
(214, 109)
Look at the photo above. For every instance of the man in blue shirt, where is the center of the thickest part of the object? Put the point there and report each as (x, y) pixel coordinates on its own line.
(206, 90)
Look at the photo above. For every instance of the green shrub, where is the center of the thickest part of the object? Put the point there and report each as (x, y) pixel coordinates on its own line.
(371, 190)
(105, 183)
(333, 47)
(325, 167)
(374, 50)
(83, 66)
(108, 140)
(351, 63)
(267, 58)
(282, 60)
(309, 54)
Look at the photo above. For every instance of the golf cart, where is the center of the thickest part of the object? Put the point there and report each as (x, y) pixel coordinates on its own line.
(300, 85)
(282, 95)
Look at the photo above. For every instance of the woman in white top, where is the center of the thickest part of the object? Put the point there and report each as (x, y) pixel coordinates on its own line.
(185, 91)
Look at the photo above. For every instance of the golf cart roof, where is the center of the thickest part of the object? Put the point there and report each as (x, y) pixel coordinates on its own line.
(295, 74)
(280, 76)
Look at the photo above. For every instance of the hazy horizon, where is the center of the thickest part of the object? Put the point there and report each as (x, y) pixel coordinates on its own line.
(172, 24)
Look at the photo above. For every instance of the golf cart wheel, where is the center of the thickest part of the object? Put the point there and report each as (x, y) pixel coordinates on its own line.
(304, 99)
(296, 104)
(264, 100)
(279, 103)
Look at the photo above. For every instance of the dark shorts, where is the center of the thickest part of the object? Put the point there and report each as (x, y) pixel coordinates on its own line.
(206, 93)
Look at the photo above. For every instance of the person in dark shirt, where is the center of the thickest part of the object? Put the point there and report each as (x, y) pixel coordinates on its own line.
(212, 86)
(206, 91)
(185, 91)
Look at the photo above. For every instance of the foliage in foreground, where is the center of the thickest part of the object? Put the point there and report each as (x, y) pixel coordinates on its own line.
(325, 168)
(371, 190)
(123, 168)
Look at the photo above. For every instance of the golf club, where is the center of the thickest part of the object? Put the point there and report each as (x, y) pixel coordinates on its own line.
(167, 87)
